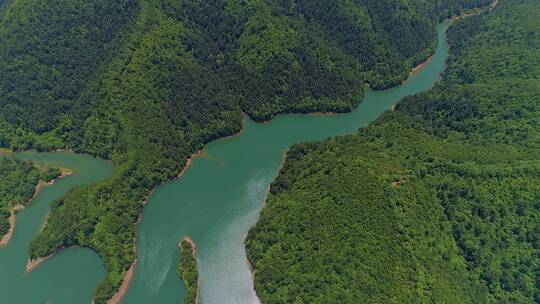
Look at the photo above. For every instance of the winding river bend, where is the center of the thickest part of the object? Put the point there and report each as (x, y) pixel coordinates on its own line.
(215, 203)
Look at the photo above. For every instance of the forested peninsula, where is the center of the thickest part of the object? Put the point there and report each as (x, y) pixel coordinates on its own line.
(435, 202)
(18, 184)
(147, 83)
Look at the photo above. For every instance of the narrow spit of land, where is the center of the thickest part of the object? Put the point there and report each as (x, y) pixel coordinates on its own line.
(188, 270)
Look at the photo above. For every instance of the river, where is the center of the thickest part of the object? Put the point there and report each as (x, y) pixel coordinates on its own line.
(215, 202)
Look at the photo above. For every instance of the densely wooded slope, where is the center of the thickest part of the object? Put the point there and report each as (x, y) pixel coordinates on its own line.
(437, 202)
(18, 181)
(147, 83)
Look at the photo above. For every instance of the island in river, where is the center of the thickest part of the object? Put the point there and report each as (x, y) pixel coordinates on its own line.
(187, 270)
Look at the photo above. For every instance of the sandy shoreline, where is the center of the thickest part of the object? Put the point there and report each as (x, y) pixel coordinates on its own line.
(201, 152)
(419, 67)
(33, 264)
(188, 163)
(119, 295)
(324, 113)
(194, 254)
(128, 277)
(478, 11)
(5, 239)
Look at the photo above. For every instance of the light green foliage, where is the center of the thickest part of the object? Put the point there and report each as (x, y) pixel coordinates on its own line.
(266, 36)
(437, 202)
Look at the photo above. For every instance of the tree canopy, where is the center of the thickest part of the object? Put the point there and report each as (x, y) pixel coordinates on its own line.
(435, 202)
(147, 83)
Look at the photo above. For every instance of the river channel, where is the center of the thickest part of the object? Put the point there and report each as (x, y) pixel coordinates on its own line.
(215, 202)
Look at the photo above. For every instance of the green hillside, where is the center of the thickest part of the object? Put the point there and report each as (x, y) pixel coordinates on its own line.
(147, 83)
(436, 202)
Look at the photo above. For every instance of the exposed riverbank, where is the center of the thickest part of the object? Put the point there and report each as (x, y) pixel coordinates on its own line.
(119, 295)
(417, 68)
(33, 264)
(5, 239)
(477, 11)
(256, 299)
(188, 163)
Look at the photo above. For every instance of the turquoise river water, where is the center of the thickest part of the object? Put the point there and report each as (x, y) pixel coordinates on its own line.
(215, 202)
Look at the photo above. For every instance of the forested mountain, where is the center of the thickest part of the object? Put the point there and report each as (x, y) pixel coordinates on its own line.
(147, 83)
(49, 51)
(435, 202)
(17, 185)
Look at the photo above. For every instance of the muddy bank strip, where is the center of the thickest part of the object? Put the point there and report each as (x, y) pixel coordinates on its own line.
(5, 239)
(119, 295)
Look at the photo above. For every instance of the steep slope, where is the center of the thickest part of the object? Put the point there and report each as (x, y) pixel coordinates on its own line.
(49, 52)
(147, 83)
(435, 202)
